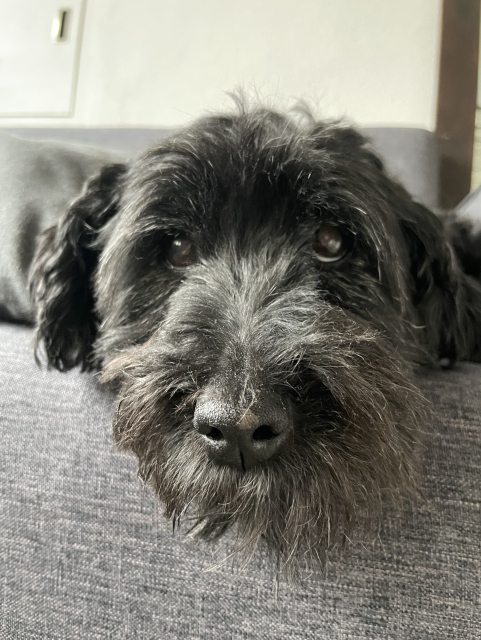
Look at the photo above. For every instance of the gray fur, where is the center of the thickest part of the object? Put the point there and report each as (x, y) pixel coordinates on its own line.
(258, 313)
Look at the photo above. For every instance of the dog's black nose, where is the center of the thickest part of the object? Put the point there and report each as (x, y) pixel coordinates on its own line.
(243, 438)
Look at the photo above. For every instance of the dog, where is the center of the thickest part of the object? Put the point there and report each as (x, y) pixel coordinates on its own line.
(261, 293)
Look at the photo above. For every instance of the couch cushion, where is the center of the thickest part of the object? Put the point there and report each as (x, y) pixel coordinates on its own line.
(124, 140)
(410, 156)
(471, 206)
(86, 553)
(37, 180)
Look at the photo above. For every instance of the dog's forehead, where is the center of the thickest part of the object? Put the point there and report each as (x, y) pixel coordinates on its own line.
(249, 179)
(229, 172)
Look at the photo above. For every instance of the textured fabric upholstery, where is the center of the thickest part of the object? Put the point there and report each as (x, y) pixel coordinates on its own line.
(130, 141)
(410, 156)
(86, 554)
(471, 205)
(37, 180)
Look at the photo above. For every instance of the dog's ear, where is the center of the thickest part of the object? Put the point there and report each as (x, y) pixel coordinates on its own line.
(62, 270)
(446, 296)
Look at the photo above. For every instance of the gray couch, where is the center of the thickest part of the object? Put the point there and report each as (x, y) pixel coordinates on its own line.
(85, 552)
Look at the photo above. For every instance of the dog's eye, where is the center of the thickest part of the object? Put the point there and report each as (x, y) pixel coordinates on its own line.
(329, 243)
(180, 252)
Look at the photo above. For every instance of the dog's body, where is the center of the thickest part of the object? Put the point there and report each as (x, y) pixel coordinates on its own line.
(262, 291)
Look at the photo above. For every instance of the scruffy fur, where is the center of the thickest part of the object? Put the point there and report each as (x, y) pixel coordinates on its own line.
(257, 311)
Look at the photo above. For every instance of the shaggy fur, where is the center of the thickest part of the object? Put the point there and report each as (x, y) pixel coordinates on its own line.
(257, 313)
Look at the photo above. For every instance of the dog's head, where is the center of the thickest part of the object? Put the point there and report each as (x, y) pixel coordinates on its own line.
(261, 290)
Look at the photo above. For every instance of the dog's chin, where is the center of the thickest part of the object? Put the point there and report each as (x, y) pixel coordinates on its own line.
(325, 489)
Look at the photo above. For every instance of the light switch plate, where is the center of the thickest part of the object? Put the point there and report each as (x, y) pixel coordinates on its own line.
(40, 44)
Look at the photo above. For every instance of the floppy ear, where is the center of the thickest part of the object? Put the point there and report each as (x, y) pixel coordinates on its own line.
(62, 269)
(445, 294)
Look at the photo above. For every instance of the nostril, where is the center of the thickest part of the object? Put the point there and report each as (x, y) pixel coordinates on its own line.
(215, 434)
(264, 432)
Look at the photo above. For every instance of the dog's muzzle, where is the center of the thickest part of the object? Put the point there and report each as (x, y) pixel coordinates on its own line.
(243, 438)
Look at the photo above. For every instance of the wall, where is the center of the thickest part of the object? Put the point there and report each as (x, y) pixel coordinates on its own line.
(162, 62)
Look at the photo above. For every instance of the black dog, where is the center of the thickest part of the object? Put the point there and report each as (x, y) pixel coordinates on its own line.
(262, 291)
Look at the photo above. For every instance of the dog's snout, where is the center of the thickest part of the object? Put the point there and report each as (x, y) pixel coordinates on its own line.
(243, 438)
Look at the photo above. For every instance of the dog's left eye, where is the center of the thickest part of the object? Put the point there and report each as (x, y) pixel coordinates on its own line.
(180, 252)
(329, 243)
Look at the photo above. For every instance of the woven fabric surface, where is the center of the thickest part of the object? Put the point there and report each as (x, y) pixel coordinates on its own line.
(37, 181)
(86, 554)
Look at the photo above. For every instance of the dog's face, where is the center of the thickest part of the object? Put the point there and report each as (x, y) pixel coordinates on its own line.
(260, 291)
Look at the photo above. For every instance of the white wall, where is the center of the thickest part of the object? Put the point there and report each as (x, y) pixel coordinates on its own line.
(162, 62)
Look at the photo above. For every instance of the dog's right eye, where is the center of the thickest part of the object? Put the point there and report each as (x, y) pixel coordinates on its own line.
(180, 252)
(330, 244)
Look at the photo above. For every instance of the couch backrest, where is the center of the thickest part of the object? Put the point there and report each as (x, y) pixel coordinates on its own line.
(410, 155)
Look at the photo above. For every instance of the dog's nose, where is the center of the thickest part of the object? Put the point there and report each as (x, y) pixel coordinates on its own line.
(243, 439)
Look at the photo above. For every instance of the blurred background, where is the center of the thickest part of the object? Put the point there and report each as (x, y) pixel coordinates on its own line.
(160, 63)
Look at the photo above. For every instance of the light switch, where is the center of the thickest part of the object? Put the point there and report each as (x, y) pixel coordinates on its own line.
(61, 25)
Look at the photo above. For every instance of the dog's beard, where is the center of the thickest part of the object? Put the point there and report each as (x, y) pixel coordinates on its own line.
(354, 449)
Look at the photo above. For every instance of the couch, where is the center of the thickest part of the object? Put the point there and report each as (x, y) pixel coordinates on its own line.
(85, 552)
